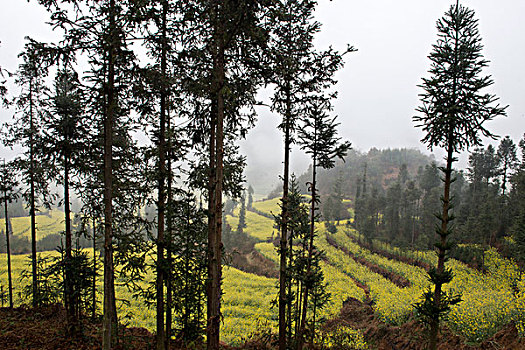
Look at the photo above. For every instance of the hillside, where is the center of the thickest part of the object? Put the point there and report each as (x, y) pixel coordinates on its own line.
(382, 169)
(372, 296)
(49, 226)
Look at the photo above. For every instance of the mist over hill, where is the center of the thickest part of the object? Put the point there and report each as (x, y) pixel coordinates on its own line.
(382, 169)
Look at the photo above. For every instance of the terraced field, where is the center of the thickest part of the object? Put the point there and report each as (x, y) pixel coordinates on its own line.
(490, 300)
(47, 223)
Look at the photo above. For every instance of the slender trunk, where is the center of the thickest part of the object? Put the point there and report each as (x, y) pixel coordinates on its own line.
(70, 297)
(504, 182)
(434, 325)
(110, 320)
(300, 294)
(314, 313)
(284, 224)
(215, 250)
(185, 319)
(169, 218)
(211, 225)
(94, 287)
(289, 285)
(32, 210)
(161, 341)
(8, 249)
(297, 314)
(310, 256)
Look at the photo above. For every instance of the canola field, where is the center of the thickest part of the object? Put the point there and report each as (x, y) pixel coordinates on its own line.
(48, 222)
(490, 300)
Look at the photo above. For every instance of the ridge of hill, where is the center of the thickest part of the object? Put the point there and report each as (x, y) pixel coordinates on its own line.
(382, 169)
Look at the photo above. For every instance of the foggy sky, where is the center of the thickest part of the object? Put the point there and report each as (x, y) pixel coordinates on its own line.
(378, 91)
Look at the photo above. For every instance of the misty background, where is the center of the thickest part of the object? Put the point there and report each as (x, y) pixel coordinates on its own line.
(378, 91)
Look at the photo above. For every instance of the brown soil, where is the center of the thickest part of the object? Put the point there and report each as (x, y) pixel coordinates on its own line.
(411, 335)
(395, 278)
(44, 329)
(254, 262)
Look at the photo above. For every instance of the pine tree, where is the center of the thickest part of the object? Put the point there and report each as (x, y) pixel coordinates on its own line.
(101, 30)
(333, 207)
(249, 205)
(242, 215)
(452, 114)
(223, 56)
(8, 194)
(318, 137)
(26, 130)
(298, 235)
(507, 159)
(294, 74)
(64, 140)
(189, 269)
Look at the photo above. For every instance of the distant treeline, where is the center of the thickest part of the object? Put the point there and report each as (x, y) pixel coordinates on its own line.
(396, 195)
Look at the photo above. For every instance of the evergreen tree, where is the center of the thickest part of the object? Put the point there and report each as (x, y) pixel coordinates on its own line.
(517, 207)
(101, 30)
(161, 26)
(293, 28)
(188, 243)
(225, 61)
(295, 76)
(26, 130)
(318, 137)
(452, 115)
(65, 129)
(8, 194)
(249, 205)
(333, 207)
(242, 215)
(299, 228)
(507, 159)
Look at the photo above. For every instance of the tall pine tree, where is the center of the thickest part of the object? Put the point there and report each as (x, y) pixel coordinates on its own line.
(452, 114)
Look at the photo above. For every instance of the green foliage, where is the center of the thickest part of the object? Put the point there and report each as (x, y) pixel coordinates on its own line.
(49, 280)
(250, 197)
(428, 312)
(242, 215)
(187, 243)
(51, 270)
(342, 337)
(453, 107)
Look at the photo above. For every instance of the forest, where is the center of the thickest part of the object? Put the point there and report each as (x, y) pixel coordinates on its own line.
(128, 221)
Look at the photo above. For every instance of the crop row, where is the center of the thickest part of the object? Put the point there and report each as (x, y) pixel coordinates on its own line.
(489, 300)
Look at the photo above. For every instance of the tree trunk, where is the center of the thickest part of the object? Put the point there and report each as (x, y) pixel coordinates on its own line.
(161, 341)
(110, 320)
(32, 210)
(70, 296)
(434, 325)
(169, 217)
(8, 249)
(211, 227)
(284, 225)
(289, 286)
(215, 235)
(309, 260)
(94, 287)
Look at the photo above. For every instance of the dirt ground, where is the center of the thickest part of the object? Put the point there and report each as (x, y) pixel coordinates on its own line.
(44, 328)
(411, 336)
